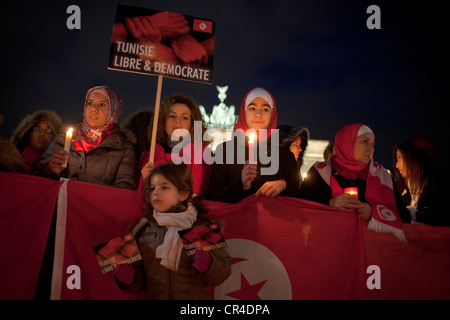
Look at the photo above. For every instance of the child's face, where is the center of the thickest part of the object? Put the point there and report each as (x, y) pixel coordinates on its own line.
(163, 194)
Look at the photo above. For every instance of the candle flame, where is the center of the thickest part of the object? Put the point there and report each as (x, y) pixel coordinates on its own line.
(251, 138)
(69, 132)
(351, 191)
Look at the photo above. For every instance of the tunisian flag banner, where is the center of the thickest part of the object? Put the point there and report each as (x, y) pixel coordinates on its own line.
(282, 248)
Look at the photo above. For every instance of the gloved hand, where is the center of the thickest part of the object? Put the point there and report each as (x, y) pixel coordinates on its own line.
(202, 261)
(124, 273)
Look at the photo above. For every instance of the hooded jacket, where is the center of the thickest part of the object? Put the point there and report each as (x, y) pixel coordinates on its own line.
(21, 138)
(288, 134)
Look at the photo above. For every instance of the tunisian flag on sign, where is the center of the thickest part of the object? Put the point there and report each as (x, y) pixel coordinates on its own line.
(282, 248)
(202, 26)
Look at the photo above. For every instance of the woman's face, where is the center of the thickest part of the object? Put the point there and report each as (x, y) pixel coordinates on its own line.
(257, 114)
(41, 135)
(163, 194)
(97, 110)
(178, 118)
(401, 165)
(364, 147)
(296, 148)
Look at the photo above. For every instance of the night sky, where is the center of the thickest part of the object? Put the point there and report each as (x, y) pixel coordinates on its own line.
(322, 64)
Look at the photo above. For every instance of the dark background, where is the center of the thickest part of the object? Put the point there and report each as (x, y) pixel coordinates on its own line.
(324, 67)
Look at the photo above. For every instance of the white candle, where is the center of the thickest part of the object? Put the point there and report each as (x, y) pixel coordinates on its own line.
(67, 143)
(251, 149)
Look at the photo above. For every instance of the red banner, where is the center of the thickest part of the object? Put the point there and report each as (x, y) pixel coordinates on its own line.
(26, 210)
(282, 248)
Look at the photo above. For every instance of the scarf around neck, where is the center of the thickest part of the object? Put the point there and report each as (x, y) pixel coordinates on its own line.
(379, 194)
(86, 137)
(31, 155)
(170, 250)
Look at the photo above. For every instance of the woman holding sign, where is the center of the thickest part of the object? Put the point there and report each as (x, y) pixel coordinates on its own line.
(253, 170)
(99, 153)
(180, 112)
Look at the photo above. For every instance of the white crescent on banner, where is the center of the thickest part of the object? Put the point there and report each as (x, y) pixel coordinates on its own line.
(385, 213)
(256, 274)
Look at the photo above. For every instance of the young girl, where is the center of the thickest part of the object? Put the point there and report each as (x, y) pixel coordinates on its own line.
(167, 272)
(180, 112)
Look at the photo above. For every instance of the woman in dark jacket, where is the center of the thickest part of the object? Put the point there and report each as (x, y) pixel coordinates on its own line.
(273, 172)
(296, 139)
(100, 152)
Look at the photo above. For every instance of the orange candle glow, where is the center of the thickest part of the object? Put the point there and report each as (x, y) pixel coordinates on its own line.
(351, 191)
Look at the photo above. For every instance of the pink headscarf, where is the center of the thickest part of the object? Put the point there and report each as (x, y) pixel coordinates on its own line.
(344, 146)
(252, 94)
(85, 137)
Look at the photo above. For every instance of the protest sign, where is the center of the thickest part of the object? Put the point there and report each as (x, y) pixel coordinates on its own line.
(162, 43)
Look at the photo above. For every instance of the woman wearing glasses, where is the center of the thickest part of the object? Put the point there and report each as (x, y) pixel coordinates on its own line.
(34, 134)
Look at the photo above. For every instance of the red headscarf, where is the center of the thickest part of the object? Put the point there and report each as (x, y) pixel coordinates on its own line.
(85, 137)
(252, 94)
(344, 160)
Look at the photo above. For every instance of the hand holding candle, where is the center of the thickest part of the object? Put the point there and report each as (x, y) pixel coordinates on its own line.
(67, 144)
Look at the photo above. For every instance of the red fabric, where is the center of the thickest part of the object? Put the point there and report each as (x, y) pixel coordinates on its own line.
(241, 121)
(27, 206)
(82, 145)
(322, 252)
(31, 155)
(96, 214)
(320, 249)
(379, 194)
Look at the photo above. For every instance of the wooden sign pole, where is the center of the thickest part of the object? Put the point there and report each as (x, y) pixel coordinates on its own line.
(155, 120)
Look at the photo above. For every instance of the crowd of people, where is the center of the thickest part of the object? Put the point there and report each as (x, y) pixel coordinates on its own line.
(104, 152)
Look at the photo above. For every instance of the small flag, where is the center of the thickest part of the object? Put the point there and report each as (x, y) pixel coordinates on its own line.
(203, 25)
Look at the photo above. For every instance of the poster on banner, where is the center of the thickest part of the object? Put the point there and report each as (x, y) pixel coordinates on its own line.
(204, 237)
(162, 43)
(117, 251)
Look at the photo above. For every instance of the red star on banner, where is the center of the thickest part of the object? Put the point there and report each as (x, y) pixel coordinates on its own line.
(247, 291)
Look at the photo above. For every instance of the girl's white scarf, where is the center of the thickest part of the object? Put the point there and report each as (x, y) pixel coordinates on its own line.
(170, 250)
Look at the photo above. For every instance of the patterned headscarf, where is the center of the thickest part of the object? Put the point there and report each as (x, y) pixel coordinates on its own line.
(86, 137)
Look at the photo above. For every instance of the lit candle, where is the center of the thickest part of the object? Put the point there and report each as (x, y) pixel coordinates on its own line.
(67, 143)
(351, 191)
(251, 149)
